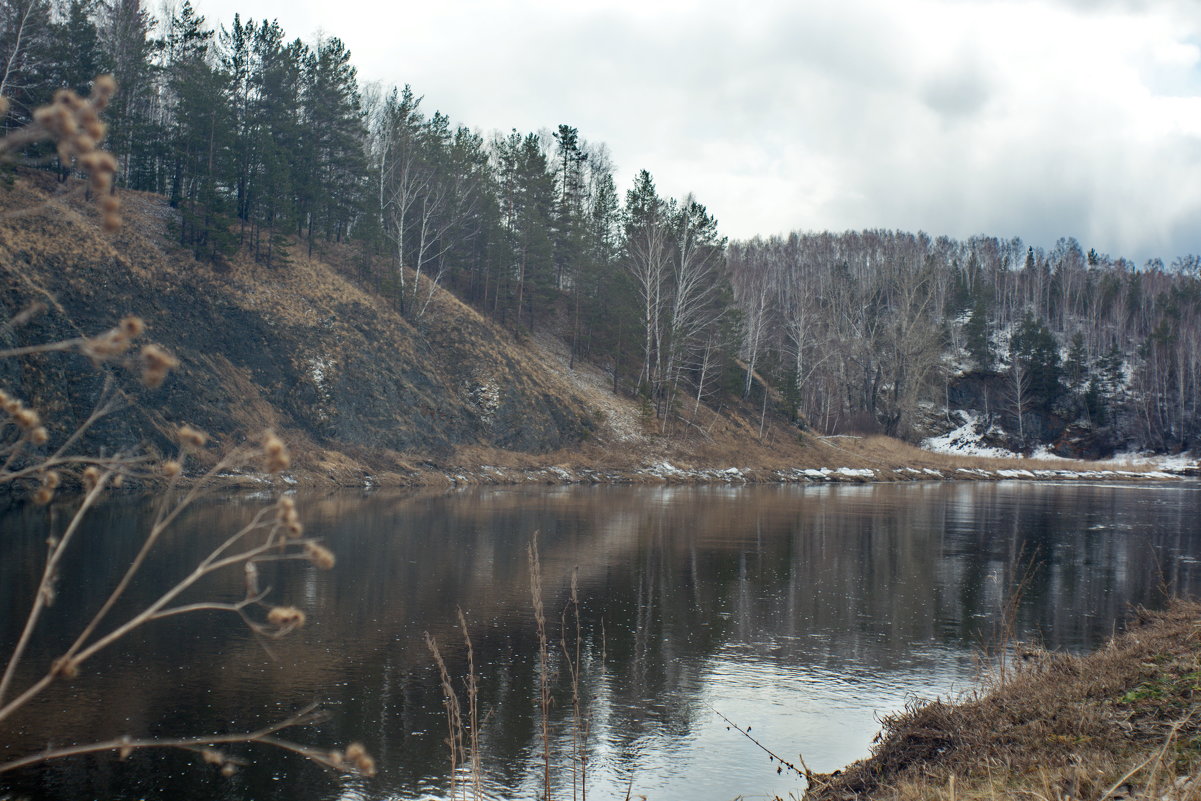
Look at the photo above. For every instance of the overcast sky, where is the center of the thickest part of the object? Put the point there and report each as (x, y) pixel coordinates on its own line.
(1037, 119)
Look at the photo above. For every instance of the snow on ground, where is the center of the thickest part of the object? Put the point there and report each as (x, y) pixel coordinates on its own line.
(965, 441)
(1171, 463)
(1043, 454)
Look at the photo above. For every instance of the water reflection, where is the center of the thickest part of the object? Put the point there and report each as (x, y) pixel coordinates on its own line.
(803, 611)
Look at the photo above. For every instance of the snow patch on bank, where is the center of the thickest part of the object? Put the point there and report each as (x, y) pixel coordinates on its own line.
(966, 440)
(1181, 463)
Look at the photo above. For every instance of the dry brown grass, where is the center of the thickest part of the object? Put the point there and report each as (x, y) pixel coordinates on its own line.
(1060, 727)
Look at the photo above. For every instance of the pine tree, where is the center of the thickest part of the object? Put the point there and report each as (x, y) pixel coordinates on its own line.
(1034, 351)
(135, 136)
(978, 334)
(332, 180)
(201, 134)
(79, 57)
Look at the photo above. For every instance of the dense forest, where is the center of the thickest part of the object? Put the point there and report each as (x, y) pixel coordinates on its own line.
(265, 144)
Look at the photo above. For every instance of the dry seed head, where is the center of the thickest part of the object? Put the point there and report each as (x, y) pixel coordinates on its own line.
(27, 419)
(118, 480)
(286, 617)
(356, 753)
(191, 437)
(100, 183)
(335, 756)
(320, 556)
(156, 363)
(111, 204)
(172, 468)
(275, 453)
(52, 479)
(66, 667)
(103, 89)
(95, 128)
(113, 222)
(39, 436)
(212, 756)
(126, 750)
(131, 326)
(91, 477)
(43, 496)
(228, 769)
(68, 98)
(106, 345)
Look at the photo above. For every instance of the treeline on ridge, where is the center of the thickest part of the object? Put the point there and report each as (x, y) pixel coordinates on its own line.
(261, 142)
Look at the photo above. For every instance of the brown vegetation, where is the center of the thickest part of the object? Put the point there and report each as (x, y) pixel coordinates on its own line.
(1117, 723)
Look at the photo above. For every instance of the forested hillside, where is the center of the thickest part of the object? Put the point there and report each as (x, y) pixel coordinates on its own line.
(1075, 349)
(258, 141)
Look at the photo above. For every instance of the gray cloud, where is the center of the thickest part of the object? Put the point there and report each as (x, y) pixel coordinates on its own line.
(1039, 119)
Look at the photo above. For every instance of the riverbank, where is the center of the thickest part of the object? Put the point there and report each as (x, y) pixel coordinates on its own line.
(809, 459)
(1121, 722)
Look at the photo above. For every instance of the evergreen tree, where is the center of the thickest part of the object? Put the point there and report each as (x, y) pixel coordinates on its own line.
(569, 209)
(527, 195)
(978, 335)
(135, 135)
(77, 51)
(201, 133)
(332, 178)
(1034, 351)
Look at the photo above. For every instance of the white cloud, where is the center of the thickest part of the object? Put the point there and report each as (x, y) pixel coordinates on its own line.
(1039, 119)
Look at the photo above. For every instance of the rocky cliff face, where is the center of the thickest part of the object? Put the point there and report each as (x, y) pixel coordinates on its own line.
(299, 348)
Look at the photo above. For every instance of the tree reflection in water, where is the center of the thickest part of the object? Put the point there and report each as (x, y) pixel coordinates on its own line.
(803, 611)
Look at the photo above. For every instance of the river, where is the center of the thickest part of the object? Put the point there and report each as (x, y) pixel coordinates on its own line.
(805, 613)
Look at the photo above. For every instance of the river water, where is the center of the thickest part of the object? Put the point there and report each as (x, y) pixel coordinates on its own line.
(805, 613)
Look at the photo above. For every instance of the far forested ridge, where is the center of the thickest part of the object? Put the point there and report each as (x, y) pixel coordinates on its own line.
(260, 142)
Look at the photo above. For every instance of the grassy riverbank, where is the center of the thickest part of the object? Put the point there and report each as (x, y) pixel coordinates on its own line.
(1122, 722)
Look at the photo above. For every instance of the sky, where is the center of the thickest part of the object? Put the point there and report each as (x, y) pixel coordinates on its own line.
(1039, 119)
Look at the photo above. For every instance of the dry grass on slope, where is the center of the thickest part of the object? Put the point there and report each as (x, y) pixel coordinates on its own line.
(1124, 721)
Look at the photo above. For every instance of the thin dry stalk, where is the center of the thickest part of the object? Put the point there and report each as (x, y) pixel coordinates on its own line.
(579, 736)
(998, 653)
(543, 661)
(472, 711)
(454, 718)
(43, 598)
(202, 745)
(772, 756)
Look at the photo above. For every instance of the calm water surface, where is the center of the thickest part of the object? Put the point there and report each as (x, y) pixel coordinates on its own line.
(805, 612)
